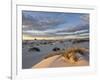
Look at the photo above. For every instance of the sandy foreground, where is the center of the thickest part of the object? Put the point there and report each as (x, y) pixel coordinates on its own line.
(59, 61)
(33, 59)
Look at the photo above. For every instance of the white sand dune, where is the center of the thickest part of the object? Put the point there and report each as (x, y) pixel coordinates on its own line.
(33, 59)
(59, 61)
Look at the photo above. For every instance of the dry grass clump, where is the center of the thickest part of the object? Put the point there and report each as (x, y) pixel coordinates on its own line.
(71, 54)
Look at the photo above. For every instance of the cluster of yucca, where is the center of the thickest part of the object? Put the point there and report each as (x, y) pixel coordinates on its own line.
(71, 53)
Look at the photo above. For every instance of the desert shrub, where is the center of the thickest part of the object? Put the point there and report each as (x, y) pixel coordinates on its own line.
(56, 49)
(34, 49)
(70, 53)
(76, 50)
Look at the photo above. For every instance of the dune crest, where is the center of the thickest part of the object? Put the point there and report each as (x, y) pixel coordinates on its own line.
(59, 61)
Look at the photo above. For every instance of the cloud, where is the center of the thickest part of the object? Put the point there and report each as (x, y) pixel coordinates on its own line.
(41, 20)
(73, 33)
(85, 18)
(54, 24)
(81, 31)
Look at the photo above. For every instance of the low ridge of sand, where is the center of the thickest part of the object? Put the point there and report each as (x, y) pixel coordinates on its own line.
(59, 61)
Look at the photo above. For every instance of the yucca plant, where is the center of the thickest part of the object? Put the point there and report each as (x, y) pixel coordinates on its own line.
(70, 53)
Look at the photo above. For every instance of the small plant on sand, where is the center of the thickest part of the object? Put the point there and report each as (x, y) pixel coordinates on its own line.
(56, 49)
(34, 49)
(71, 54)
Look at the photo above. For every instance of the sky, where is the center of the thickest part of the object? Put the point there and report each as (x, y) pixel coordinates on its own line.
(36, 24)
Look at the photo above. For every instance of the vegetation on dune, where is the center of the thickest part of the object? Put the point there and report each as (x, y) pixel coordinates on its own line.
(34, 49)
(69, 54)
(56, 49)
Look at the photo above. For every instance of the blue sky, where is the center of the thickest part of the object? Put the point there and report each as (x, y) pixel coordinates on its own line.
(55, 24)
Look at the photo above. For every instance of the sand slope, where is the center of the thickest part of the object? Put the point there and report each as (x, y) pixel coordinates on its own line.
(59, 61)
